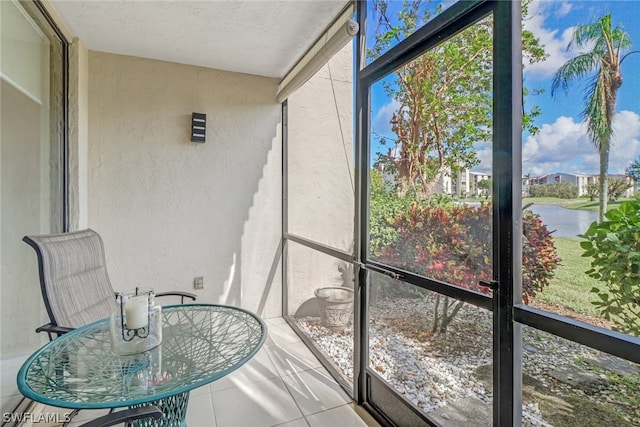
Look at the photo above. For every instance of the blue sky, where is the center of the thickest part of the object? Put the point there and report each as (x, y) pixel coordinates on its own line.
(562, 144)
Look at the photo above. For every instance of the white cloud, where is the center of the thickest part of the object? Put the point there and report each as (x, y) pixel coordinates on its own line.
(555, 42)
(564, 146)
(486, 160)
(564, 9)
(625, 145)
(382, 121)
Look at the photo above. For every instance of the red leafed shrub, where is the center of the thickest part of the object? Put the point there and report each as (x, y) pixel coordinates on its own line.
(539, 255)
(454, 244)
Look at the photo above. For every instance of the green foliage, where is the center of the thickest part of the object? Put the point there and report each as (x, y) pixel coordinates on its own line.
(486, 187)
(614, 246)
(385, 206)
(444, 97)
(593, 190)
(633, 170)
(617, 187)
(562, 190)
(453, 244)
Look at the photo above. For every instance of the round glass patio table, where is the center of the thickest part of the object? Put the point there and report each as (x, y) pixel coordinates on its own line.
(201, 343)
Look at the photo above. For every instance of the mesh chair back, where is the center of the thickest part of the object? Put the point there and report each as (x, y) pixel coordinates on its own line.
(73, 277)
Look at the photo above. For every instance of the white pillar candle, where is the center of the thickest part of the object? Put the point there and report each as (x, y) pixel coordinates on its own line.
(136, 311)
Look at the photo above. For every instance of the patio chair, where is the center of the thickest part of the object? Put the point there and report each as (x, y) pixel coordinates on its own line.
(125, 416)
(74, 281)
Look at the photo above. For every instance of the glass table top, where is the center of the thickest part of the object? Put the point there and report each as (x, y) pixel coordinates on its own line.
(200, 344)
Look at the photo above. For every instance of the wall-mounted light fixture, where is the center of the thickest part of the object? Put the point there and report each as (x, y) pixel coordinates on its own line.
(198, 127)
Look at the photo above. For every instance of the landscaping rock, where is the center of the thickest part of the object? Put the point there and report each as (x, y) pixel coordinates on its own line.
(613, 364)
(467, 412)
(436, 371)
(578, 378)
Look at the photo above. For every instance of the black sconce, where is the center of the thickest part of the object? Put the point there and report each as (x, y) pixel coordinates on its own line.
(198, 127)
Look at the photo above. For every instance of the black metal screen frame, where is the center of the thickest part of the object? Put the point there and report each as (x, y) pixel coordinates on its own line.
(509, 313)
(506, 304)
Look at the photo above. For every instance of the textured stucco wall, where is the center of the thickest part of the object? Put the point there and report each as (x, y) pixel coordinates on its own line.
(320, 162)
(170, 209)
(78, 134)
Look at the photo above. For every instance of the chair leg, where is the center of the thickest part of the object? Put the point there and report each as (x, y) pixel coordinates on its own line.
(71, 417)
(125, 416)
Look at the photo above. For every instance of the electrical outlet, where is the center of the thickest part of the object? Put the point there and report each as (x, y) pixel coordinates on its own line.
(198, 282)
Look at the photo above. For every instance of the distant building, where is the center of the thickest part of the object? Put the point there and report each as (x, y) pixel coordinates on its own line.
(462, 184)
(581, 181)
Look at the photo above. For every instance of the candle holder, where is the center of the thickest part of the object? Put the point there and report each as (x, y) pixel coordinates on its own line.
(136, 326)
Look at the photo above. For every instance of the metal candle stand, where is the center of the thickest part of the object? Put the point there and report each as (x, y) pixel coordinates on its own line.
(143, 332)
(127, 340)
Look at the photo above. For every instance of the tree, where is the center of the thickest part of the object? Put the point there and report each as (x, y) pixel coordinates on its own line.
(603, 46)
(444, 98)
(617, 187)
(633, 170)
(593, 190)
(562, 190)
(485, 186)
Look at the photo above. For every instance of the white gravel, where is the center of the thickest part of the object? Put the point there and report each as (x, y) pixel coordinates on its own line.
(432, 370)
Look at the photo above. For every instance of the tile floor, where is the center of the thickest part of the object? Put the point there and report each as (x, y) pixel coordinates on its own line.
(283, 385)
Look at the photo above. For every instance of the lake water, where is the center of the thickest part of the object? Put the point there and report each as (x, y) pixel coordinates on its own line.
(566, 222)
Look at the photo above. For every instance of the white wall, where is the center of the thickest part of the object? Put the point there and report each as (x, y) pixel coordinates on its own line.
(321, 183)
(170, 209)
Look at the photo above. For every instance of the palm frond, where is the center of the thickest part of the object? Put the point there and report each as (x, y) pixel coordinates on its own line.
(583, 34)
(621, 38)
(596, 114)
(574, 69)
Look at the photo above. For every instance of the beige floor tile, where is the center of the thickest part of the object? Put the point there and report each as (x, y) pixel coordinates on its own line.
(315, 390)
(200, 391)
(275, 321)
(292, 358)
(280, 334)
(301, 422)
(260, 404)
(200, 411)
(258, 369)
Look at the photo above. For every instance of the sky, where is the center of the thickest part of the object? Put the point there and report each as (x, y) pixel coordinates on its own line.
(562, 144)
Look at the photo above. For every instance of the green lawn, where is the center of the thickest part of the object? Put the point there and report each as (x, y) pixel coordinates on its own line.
(548, 200)
(586, 204)
(571, 286)
(580, 203)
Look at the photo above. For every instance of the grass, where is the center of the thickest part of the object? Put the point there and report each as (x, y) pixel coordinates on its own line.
(570, 286)
(580, 203)
(587, 205)
(580, 411)
(548, 200)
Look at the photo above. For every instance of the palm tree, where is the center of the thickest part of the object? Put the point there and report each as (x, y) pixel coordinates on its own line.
(603, 60)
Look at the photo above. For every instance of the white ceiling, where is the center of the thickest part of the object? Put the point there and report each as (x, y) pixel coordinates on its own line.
(261, 37)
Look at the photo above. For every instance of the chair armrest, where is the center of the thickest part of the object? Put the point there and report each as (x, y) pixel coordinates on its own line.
(53, 329)
(127, 415)
(181, 294)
